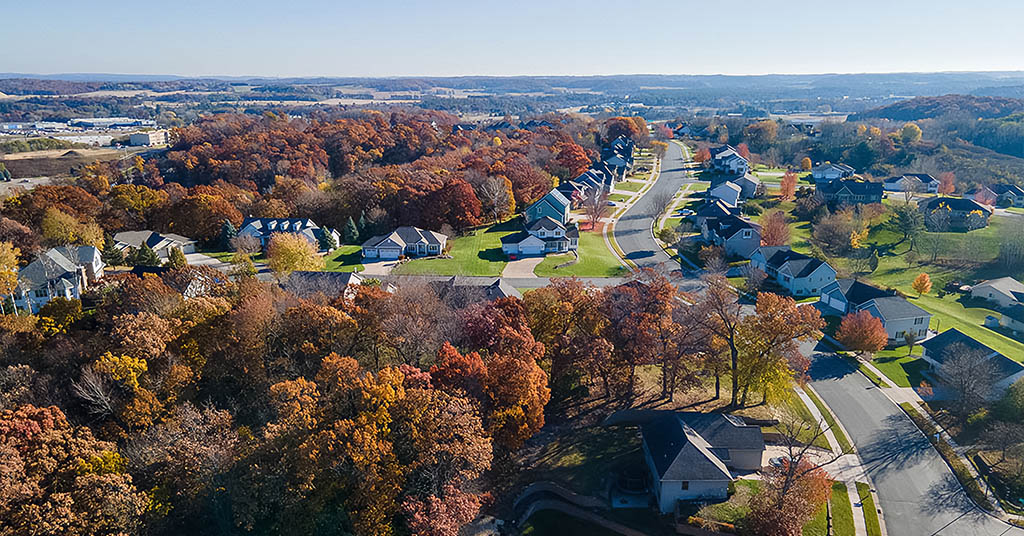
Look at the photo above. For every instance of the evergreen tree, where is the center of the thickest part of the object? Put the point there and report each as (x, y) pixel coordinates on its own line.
(227, 232)
(362, 222)
(326, 241)
(176, 259)
(351, 231)
(873, 261)
(142, 256)
(111, 256)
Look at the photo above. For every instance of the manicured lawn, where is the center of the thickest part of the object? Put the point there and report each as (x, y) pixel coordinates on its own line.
(478, 253)
(736, 508)
(699, 186)
(904, 370)
(1015, 210)
(819, 525)
(870, 511)
(345, 259)
(629, 186)
(842, 511)
(951, 312)
(619, 198)
(227, 256)
(791, 405)
(672, 223)
(596, 260)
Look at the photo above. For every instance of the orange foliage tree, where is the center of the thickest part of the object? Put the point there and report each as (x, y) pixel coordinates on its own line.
(862, 332)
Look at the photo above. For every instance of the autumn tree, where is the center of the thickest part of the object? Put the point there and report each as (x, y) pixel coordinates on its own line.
(496, 197)
(775, 229)
(947, 183)
(596, 207)
(8, 272)
(290, 252)
(702, 155)
(922, 284)
(517, 391)
(573, 158)
(743, 150)
(806, 164)
(176, 259)
(789, 497)
(621, 126)
(62, 229)
(862, 332)
(910, 133)
(787, 188)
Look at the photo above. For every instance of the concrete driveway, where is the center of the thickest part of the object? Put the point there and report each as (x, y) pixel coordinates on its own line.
(522, 267)
(378, 268)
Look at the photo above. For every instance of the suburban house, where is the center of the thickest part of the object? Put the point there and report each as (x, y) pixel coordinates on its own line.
(726, 160)
(917, 182)
(690, 455)
(547, 228)
(305, 284)
(935, 353)
(750, 186)
(714, 208)
(264, 228)
(1004, 292)
(1003, 194)
(63, 272)
(161, 244)
(850, 192)
(553, 205)
(898, 315)
(954, 213)
(1013, 318)
(800, 274)
(617, 157)
(727, 192)
(738, 236)
(829, 172)
(405, 240)
(500, 126)
(575, 192)
(681, 131)
(461, 292)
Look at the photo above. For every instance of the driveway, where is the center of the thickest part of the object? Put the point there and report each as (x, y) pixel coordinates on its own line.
(378, 268)
(522, 267)
(917, 492)
(198, 259)
(633, 230)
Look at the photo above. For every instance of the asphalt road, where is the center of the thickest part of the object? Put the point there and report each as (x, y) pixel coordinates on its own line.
(917, 492)
(633, 230)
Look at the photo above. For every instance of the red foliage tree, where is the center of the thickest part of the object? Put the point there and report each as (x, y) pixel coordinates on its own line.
(743, 150)
(774, 229)
(573, 158)
(947, 183)
(787, 189)
(862, 332)
(702, 155)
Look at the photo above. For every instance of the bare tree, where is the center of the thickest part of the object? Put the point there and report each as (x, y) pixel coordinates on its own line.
(596, 207)
(969, 373)
(754, 278)
(95, 391)
(495, 196)
(247, 244)
(661, 200)
(911, 186)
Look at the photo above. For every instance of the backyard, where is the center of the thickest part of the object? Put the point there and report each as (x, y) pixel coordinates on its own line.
(596, 260)
(345, 259)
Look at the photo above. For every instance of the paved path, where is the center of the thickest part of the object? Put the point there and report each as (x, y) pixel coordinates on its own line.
(916, 489)
(522, 267)
(633, 229)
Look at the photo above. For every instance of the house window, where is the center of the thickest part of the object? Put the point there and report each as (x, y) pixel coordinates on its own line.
(41, 293)
(918, 321)
(813, 290)
(746, 233)
(684, 485)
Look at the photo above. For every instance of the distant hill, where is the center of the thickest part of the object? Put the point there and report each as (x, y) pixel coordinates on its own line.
(932, 107)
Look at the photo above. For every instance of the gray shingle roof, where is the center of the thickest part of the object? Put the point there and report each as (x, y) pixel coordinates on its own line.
(937, 345)
(895, 308)
(958, 204)
(679, 453)
(855, 291)
(800, 265)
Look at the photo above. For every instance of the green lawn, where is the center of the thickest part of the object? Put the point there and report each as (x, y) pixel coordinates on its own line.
(345, 259)
(1015, 210)
(904, 370)
(672, 223)
(793, 406)
(227, 256)
(596, 260)
(584, 458)
(478, 253)
(844, 443)
(842, 511)
(870, 511)
(819, 525)
(630, 186)
(619, 198)
(952, 313)
(699, 186)
(737, 508)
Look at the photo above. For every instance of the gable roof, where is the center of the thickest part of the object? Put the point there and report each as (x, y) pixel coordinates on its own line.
(958, 204)
(714, 209)
(937, 345)
(269, 225)
(724, 431)
(304, 283)
(556, 199)
(800, 265)
(729, 185)
(154, 240)
(55, 265)
(729, 226)
(406, 235)
(1003, 189)
(855, 292)
(1006, 285)
(546, 223)
(679, 453)
(923, 177)
(821, 168)
(894, 308)
(856, 187)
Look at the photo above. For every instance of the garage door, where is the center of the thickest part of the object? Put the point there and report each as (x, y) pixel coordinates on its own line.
(525, 249)
(390, 253)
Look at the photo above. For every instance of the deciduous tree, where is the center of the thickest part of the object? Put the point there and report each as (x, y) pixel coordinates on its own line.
(862, 332)
(787, 188)
(289, 252)
(922, 284)
(774, 229)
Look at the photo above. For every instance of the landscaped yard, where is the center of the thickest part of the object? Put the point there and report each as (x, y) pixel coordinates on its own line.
(842, 511)
(904, 370)
(478, 253)
(584, 458)
(738, 507)
(619, 198)
(345, 259)
(596, 260)
(629, 186)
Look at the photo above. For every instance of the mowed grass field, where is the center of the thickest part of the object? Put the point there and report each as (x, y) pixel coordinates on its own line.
(477, 253)
(596, 260)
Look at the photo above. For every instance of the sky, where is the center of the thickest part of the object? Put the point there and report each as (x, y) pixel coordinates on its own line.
(514, 37)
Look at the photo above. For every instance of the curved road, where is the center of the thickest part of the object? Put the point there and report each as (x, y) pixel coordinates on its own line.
(633, 229)
(917, 492)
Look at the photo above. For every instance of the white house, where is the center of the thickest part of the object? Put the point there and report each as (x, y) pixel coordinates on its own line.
(800, 274)
(1013, 318)
(690, 455)
(1001, 194)
(1004, 292)
(898, 315)
(829, 172)
(264, 228)
(63, 272)
(404, 241)
(153, 137)
(936, 351)
(918, 182)
(728, 192)
(726, 159)
(161, 244)
(542, 236)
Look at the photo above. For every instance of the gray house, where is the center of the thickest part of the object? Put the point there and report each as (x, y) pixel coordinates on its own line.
(63, 272)
(404, 241)
(898, 315)
(739, 237)
(800, 274)
(690, 455)
(935, 352)
(161, 244)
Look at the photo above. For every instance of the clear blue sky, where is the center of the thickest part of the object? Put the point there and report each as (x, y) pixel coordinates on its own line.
(514, 37)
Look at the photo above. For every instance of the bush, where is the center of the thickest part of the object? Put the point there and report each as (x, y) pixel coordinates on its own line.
(751, 208)
(978, 418)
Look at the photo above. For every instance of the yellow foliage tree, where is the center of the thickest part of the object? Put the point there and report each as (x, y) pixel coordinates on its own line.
(122, 368)
(922, 284)
(8, 271)
(857, 238)
(62, 229)
(289, 252)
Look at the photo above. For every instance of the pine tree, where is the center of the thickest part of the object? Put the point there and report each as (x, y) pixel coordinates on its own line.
(351, 231)
(362, 222)
(111, 256)
(326, 240)
(142, 256)
(176, 259)
(227, 232)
